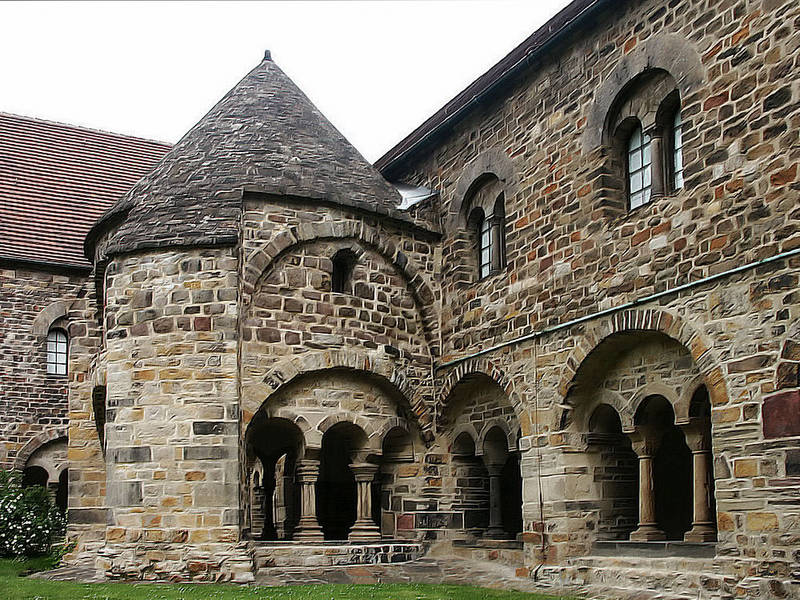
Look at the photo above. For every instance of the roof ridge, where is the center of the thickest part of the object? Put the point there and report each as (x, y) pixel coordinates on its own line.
(75, 127)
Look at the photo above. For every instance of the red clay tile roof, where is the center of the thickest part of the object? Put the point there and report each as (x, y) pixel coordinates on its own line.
(56, 180)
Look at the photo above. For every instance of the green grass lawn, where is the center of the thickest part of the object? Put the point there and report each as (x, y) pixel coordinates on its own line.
(14, 587)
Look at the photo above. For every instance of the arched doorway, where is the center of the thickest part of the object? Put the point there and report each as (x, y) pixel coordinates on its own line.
(615, 473)
(62, 490)
(343, 445)
(273, 446)
(671, 466)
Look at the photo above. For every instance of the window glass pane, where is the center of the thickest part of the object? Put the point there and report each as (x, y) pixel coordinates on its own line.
(677, 159)
(635, 160)
(636, 181)
(639, 174)
(646, 152)
(56, 352)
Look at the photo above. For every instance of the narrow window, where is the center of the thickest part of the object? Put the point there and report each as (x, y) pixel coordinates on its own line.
(343, 263)
(56, 352)
(485, 253)
(677, 152)
(639, 179)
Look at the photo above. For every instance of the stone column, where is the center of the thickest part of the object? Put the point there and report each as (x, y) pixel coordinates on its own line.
(497, 223)
(698, 439)
(308, 529)
(657, 163)
(645, 445)
(495, 530)
(364, 529)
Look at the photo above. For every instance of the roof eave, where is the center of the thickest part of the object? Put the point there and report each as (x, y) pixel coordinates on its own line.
(482, 88)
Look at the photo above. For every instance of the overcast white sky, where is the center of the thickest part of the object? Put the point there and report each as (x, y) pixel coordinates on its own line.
(375, 69)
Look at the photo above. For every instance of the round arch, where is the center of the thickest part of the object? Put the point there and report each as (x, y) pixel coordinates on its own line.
(36, 442)
(480, 366)
(384, 369)
(258, 261)
(668, 52)
(491, 162)
(653, 320)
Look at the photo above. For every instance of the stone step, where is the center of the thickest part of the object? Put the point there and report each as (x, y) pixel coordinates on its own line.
(510, 554)
(330, 554)
(668, 581)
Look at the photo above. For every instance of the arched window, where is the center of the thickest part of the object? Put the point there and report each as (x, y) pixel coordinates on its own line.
(639, 173)
(56, 352)
(343, 262)
(488, 228)
(677, 151)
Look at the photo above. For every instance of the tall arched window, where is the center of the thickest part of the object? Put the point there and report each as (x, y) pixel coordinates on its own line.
(639, 172)
(677, 151)
(56, 352)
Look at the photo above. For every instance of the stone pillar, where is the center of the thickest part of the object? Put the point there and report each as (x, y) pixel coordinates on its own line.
(657, 163)
(308, 529)
(364, 529)
(698, 439)
(495, 530)
(497, 223)
(645, 445)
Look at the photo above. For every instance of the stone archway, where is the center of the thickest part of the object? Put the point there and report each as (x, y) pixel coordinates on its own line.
(636, 389)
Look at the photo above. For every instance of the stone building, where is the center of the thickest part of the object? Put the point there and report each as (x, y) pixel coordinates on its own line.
(556, 326)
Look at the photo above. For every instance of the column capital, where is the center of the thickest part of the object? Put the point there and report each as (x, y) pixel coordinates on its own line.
(697, 434)
(307, 471)
(363, 471)
(645, 441)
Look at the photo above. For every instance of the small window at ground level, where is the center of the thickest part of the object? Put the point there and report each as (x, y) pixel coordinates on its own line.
(56, 352)
(639, 175)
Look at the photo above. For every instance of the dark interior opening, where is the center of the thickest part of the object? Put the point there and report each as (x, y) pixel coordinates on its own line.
(336, 486)
(34, 476)
(343, 263)
(62, 491)
(511, 496)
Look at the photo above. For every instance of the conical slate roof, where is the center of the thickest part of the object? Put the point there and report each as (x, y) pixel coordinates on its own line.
(264, 135)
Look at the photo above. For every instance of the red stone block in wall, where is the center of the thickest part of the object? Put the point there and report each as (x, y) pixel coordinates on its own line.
(781, 414)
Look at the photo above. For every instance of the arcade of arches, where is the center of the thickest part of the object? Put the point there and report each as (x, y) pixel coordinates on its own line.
(336, 456)
(640, 417)
(47, 466)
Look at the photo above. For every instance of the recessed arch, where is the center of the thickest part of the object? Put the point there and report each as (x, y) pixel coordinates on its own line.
(36, 442)
(386, 370)
(644, 320)
(668, 52)
(490, 163)
(258, 261)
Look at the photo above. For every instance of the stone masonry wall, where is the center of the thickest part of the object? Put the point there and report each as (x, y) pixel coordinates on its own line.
(570, 254)
(33, 403)
(172, 410)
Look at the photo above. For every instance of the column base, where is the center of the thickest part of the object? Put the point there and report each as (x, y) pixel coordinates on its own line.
(309, 531)
(495, 533)
(700, 533)
(648, 533)
(364, 531)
